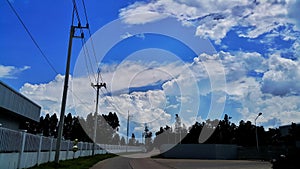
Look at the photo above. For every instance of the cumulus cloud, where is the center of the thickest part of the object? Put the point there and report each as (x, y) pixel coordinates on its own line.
(47, 95)
(214, 19)
(235, 64)
(276, 93)
(283, 76)
(284, 109)
(293, 12)
(10, 72)
(180, 87)
(128, 90)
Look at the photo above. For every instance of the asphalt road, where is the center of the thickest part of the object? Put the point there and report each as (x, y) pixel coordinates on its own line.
(150, 163)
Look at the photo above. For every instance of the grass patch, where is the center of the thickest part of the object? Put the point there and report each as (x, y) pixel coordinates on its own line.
(77, 163)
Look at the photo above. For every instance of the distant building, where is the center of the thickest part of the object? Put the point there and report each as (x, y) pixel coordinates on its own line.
(284, 130)
(15, 108)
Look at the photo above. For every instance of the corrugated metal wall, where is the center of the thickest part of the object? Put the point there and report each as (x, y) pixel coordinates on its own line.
(17, 103)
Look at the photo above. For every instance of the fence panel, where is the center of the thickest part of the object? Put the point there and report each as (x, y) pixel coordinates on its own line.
(11, 143)
(64, 146)
(32, 143)
(46, 143)
(10, 140)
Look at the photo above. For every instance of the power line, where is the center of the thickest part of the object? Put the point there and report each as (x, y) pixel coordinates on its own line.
(91, 39)
(89, 59)
(31, 37)
(85, 13)
(112, 104)
(84, 47)
(87, 55)
(86, 59)
(80, 101)
(76, 11)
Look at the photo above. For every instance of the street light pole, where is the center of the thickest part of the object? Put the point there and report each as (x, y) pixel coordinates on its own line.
(127, 129)
(257, 147)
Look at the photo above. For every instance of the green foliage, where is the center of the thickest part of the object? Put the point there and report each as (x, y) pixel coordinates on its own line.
(78, 163)
(78, 127)
(122, 141)
(224, 132)
(107, 125)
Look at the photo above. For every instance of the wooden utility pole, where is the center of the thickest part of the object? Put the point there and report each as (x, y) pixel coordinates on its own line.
(65, 91)
(97, 86)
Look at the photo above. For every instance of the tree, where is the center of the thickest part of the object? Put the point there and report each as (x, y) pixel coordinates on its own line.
(46, 125)
(104, 132)
(68, 124)
(177, 128)
(78, 131)
(148, 138)
(53, 125)
(132, 140)
(246, 134)
(112, 119)
(116, 139)
(226, 132)
(193, 134)
(122, 141)
(162, 136)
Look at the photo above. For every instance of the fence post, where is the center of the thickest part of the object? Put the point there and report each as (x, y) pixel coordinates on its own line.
(91, 147)
(81, 145)
(87, 151)
(96, 152)
(39, 151)
(50, 151)
(67, 153)
(20, 160)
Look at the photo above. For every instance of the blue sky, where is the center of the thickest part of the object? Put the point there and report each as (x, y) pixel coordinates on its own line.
(246, 59)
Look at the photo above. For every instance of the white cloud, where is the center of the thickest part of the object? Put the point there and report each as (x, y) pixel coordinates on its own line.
(147, 105)
(235, 64)
(215, 29)
(293, 12)
(136, 74)
(48, 95)
(276, 94)
(247, 92)
(137, 13)
(126, 35)
(283, 76)
(214, 19)
(11, 72)
(253, 94)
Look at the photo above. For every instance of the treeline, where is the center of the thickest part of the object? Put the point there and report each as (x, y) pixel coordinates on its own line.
(226, 132)
(76, 127)
(223, 131)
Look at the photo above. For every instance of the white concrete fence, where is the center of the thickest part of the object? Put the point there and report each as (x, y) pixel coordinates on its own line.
(19, 149)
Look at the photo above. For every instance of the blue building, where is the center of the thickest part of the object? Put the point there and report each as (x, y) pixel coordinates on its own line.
(16, 109)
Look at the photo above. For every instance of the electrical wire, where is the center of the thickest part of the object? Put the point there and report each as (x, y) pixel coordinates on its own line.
(87, 56)
(80, 101)
(76, 11)
(85, 61)
(91, 39)
(112, 104)
(31, 36)
(83, 43)
(84, 46)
